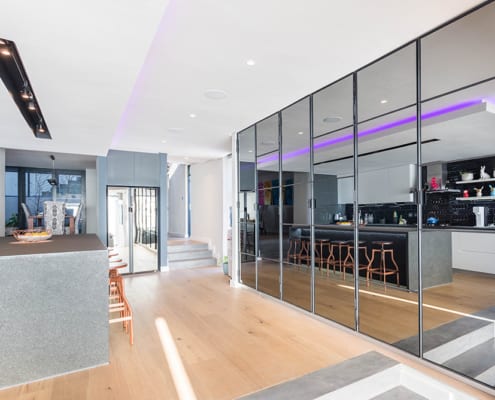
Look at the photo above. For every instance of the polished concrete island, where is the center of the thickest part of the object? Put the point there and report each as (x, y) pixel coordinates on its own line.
(54, 307)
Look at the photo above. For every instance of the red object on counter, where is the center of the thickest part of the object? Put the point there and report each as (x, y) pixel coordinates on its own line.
(465, 193)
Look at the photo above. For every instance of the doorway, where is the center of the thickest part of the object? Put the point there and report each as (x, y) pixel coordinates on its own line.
(132, 226)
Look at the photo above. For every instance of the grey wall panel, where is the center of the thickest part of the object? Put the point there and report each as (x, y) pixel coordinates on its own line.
(146, 169)
(120, 168)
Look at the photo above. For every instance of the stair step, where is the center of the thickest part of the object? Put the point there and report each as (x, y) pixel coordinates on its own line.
(200, 262)
(187, 247)
(476, 361)
(189, 255)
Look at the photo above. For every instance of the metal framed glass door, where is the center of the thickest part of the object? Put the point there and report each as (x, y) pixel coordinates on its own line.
(132, 226)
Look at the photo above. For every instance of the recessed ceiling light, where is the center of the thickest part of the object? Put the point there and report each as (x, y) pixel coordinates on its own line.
(164, 141)
(5, 52)
(192, 115)
(175, 130)
(251, 62)
(215, 94)
(250, 151)
(384, 101)
(300, 133)
(331, 119)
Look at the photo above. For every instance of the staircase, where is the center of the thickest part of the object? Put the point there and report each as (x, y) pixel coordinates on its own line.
(184, 254)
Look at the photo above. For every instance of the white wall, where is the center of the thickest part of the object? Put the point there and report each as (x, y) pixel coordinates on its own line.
(207, 204)
(91, 226)
(2, 192)
(177, 202)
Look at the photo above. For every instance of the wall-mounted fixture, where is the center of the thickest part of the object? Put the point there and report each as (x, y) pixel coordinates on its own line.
(15, 78)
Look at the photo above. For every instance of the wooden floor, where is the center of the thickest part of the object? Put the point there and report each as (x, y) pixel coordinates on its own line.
(231, 341)
(389, 315)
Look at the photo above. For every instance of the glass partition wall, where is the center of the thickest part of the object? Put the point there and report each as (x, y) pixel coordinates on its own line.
(458, 100)
(333, 149)
(268, 200)
(372, 200)
(387, 166)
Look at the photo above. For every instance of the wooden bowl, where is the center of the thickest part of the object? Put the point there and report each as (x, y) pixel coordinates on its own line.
(32, 235)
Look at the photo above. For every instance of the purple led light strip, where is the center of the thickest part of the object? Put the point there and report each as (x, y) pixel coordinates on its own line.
(371, 131)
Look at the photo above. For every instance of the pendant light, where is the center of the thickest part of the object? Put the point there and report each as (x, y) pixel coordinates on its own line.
(53, 181)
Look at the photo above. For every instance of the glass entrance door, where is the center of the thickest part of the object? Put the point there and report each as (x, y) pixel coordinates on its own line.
(132, 226)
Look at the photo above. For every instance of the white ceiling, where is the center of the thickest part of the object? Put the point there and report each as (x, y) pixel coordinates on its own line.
(126, 75)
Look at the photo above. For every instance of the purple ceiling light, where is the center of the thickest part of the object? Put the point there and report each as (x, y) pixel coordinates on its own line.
(371, 131)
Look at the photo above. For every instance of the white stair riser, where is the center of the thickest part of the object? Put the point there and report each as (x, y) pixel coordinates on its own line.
(188, 247)
(189, 255)
(202, 262)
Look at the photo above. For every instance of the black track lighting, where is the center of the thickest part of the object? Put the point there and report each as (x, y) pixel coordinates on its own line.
(15, 78)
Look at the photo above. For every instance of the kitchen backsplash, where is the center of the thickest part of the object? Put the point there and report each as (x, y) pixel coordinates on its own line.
(442, 205)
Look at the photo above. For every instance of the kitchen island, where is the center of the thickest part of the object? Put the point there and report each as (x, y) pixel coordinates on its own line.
(53, 307)
(436, 250)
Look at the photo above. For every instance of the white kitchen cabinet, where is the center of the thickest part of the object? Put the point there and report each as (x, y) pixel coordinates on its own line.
(388, 185)
(473, 251)
(345, 188)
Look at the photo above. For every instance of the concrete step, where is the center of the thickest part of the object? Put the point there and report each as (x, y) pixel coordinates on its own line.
(189, 255)
(200, 262)
(187, 247)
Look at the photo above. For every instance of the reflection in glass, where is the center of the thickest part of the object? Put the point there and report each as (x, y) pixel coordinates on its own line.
(247, 206)
(268, 199)
(333, 193)
(458, 208)
(296, 192)
(387, 146)
(459, 54)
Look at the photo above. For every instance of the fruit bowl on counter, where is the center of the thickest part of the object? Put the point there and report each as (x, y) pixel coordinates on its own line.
(32, 235)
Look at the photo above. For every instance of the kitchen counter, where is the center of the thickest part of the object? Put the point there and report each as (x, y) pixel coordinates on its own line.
(436, 249)
(58, 244)
(54, 307)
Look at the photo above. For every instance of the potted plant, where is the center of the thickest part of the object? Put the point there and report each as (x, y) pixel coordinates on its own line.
(12, 224)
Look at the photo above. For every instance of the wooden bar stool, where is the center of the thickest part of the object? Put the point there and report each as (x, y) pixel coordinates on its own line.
(382, 249)
(320, 245)
(117, 299)
(305, 253)
(349, 260)
(294, 249)
(332, 260)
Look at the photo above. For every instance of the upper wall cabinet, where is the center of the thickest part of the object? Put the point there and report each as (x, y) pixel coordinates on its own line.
(389, 185)
(127, 168)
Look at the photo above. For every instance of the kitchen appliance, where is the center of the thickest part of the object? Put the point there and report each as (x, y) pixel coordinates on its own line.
(481, 214)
